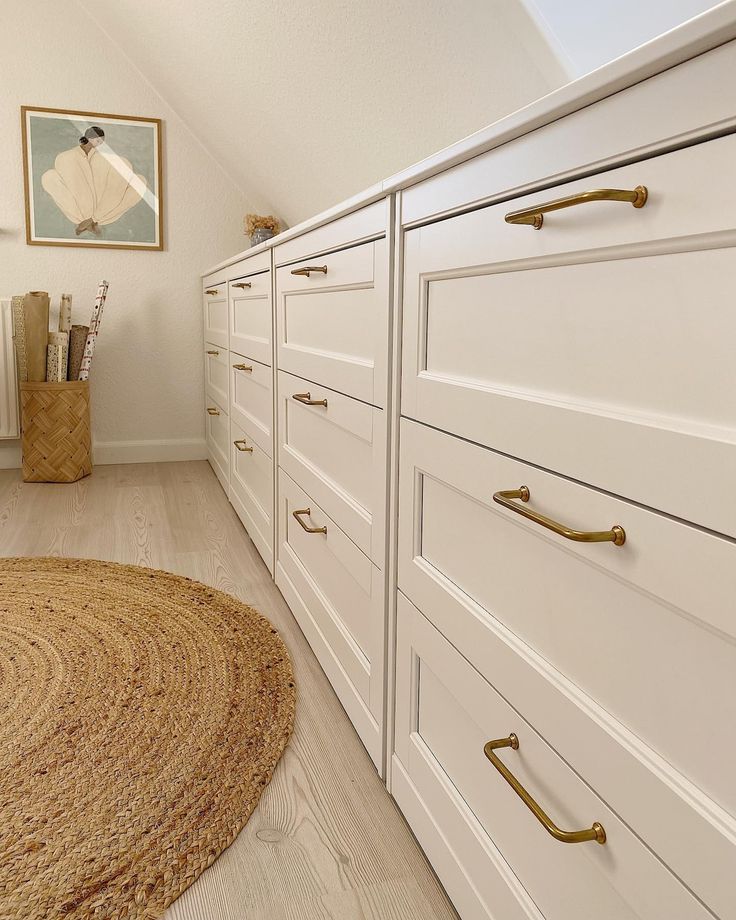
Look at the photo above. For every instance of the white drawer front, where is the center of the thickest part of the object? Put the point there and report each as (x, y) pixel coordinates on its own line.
(251, 490)
(446, 712)
(217, 435)
(642, 631)
(251, 401)
(337, 453)
(216, 373)
(587, 347)
(250, 316)
(215, 314)
(333, 326)
(336, 594)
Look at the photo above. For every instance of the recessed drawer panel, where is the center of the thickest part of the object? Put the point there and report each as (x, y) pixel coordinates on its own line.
(333, 321)
(335, 448)
(336, 594)
(251, 490)
(216, 373)
(642, 632)
(217, 435)
(446, 715)
(250, 316)
(215, 314)
(251, 401)
(587, 347)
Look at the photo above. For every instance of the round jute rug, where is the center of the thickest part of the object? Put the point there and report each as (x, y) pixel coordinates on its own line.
(141, 716)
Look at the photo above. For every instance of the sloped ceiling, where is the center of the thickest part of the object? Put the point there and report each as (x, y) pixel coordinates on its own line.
(306, 103)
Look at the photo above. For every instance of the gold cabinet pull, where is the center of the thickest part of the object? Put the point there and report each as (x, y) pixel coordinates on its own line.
(306, 398)
(241, 445)
(242, 284)
(307, 511)
(212, 291)
(212, 351)
(243, 367)
(533, 215)
(596, 832)
(616, 535)
(212, 411)
(308, 269)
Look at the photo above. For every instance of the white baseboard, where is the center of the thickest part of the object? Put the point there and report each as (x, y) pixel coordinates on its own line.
(10, 455)
(105, 452)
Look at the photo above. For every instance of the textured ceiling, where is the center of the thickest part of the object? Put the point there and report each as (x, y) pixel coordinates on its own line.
(306, 103)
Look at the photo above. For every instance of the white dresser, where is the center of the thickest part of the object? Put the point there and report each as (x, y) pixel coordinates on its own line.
(238, 361)
(332, 328)
(505, 518)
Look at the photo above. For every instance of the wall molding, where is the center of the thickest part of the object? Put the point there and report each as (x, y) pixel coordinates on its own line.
(10, 455)
(106, 452)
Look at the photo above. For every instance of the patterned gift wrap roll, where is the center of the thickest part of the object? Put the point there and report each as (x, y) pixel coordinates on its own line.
(65, 313)
(77, 340)
(94, 328)
(57, 357)
(19, 337)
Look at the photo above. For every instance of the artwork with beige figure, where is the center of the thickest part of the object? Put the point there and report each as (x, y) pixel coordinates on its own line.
(91, 185)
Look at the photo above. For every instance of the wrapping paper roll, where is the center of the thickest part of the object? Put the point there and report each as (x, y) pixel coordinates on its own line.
(65, 313)
(94, 328)
(77, 341)
(57, 357)
(19, 337)
(36, 316)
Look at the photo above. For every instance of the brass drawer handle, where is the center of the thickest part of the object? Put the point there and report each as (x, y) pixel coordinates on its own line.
(616, 535)
(212, 291)
(212, 411)
(306, 398)
(307, 511)
(242, 284)
(241, 445)
(533, 215)
(596, 832)
(308, 269)
(243, 367)
(212, 352)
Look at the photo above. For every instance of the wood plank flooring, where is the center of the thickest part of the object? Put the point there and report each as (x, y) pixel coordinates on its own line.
(326, 841)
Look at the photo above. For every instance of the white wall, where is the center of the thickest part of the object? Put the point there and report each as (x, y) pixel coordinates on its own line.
(585, 34)
(308, 102)
(147, 374)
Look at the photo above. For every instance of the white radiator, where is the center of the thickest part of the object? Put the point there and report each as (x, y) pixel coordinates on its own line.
(9, 422)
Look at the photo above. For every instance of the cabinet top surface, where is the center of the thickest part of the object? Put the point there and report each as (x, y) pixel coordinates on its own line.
(696, 36)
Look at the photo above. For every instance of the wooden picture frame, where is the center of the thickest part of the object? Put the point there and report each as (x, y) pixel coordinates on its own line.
(92, 180)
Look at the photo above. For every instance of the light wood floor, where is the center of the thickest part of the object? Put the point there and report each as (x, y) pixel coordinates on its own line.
(326, 840)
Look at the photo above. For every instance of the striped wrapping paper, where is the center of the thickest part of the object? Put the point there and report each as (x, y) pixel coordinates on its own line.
(57, 356)
(94, 326)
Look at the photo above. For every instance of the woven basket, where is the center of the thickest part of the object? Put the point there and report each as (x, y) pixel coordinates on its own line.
(57, 439)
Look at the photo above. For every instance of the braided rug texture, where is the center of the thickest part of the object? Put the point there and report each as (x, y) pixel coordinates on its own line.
(141, 716)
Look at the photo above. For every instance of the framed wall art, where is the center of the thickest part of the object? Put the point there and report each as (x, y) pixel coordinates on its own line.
(92, 180)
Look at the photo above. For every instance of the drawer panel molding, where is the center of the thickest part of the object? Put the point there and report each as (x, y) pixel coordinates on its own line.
(250, 316)
(337, 597)
(251, 490)
(337, 453)
(333, 326)
(251, 397)
(446, 714)
(586, 347)
(626, 646)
